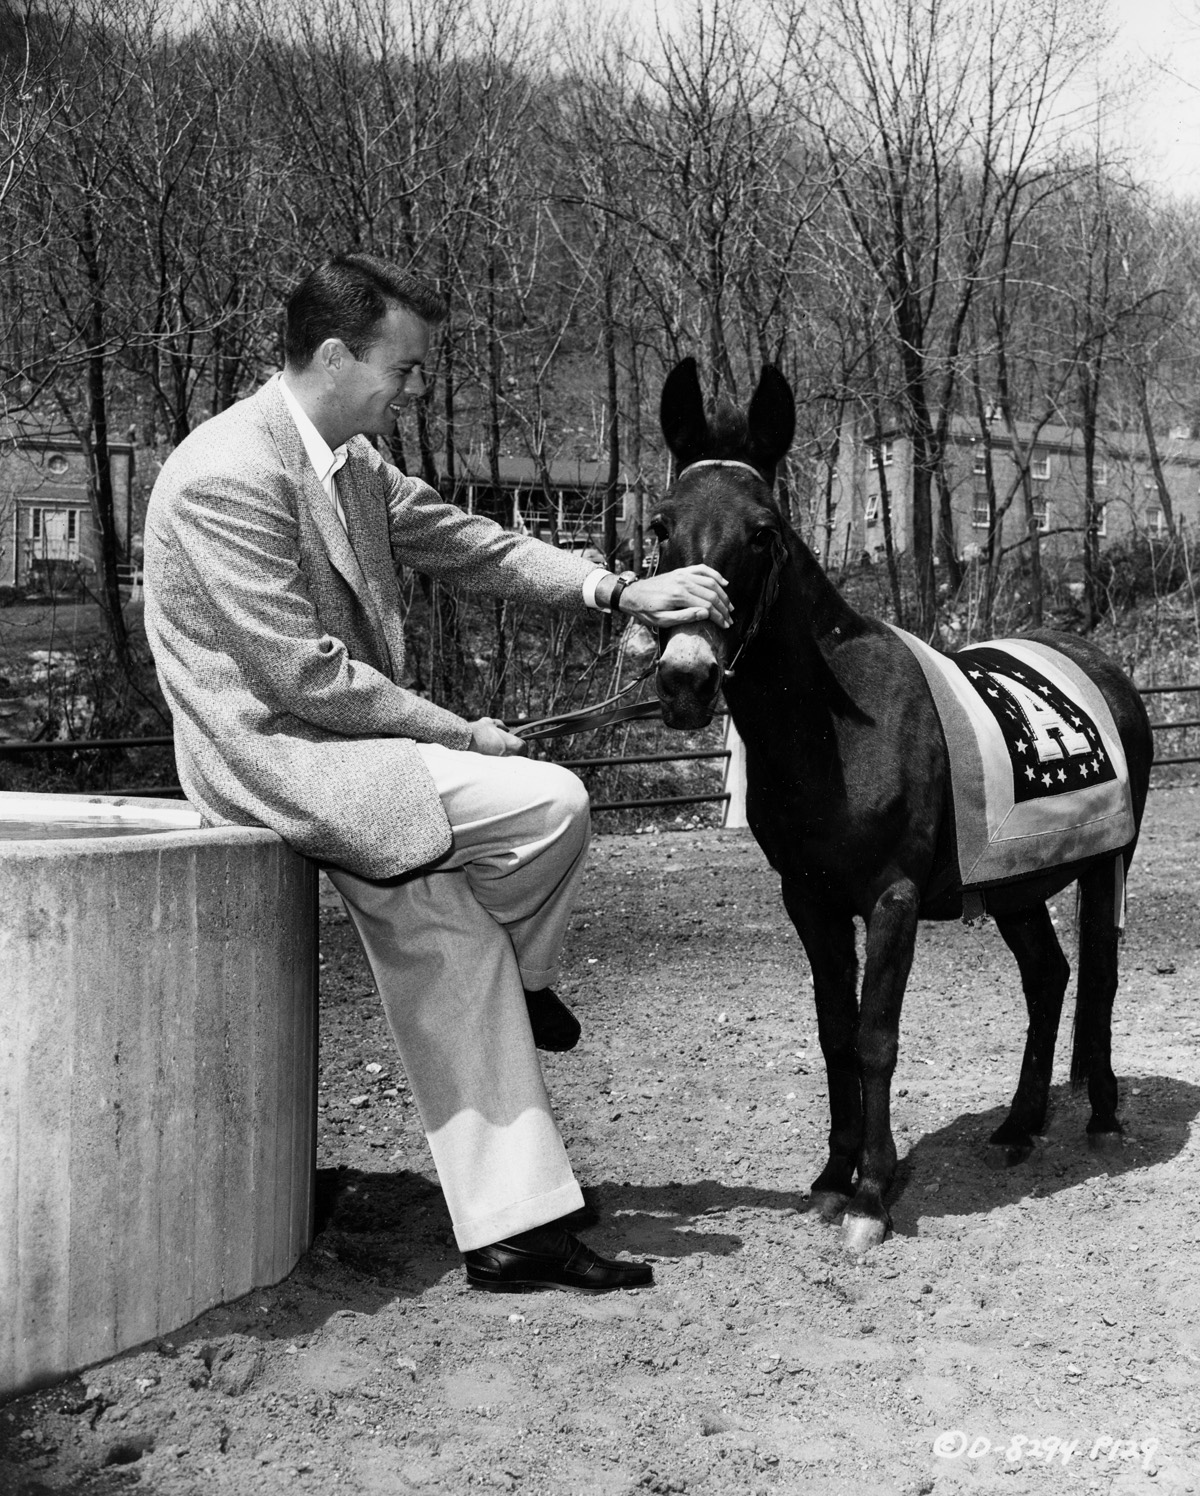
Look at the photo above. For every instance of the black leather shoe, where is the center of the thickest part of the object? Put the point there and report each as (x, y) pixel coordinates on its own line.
(550, 1257)
(554, 1026)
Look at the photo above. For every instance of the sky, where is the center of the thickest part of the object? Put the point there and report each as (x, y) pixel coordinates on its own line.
(1157, 50)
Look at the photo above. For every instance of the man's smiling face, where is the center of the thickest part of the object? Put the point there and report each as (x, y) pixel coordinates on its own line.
(373, 390)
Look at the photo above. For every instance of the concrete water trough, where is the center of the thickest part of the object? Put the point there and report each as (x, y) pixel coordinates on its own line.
(158, 1048)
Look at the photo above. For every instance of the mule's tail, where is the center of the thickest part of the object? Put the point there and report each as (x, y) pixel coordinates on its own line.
(1100, 921)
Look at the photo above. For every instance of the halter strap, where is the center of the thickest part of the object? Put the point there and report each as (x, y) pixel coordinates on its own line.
(762, 607)
(722, 462)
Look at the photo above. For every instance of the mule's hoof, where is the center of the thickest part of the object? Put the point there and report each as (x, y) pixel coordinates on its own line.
(1106, 1142)
(861, 1233)
(1006, 1155)
(829, 1205)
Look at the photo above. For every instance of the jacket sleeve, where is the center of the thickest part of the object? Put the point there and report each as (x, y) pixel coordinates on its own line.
(444, 541)
(227, 573)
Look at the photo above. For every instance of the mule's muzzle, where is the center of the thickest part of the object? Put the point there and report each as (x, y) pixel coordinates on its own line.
(689, 675)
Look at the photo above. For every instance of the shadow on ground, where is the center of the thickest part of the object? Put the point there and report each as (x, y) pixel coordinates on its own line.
(952, 1172)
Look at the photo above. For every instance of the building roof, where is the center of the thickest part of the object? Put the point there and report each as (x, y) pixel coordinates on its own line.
(522, 472)
(20, 436)
(1127, 445)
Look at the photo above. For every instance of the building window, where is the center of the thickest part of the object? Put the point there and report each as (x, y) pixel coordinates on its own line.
(56, 463)
(1154, 520)
(54, 533)
(882, 455)
(1100, 474)
(1039, 467)
(979, 466)
(1041, 512)
(981, 513)
(872, 511)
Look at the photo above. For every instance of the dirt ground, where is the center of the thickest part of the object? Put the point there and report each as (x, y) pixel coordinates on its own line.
(1026, 1330)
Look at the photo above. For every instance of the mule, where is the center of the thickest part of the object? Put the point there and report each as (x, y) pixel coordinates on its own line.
(848, 795)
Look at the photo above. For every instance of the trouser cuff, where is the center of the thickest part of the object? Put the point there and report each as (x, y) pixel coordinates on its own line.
(482, 1231)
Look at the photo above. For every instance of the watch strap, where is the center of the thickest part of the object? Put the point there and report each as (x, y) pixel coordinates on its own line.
(623, 581)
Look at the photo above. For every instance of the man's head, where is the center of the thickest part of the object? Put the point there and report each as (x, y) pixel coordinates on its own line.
(356, 335)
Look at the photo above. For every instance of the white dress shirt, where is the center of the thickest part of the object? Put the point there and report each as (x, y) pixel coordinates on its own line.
(326, 463)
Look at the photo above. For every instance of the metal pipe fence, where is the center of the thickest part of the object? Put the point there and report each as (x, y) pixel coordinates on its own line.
(1183, 726)
(172, 790)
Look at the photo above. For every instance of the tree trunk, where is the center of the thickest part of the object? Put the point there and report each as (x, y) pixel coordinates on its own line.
(635, 460)
(100, 462)
(946, 539)
(923, 469)
(1091, 510)
(613, 476)
(992, 550)
(1156, 467)
(1036, 604)
(885, 498)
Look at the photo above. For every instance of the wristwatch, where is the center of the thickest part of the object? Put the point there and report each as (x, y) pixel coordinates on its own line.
(623, 581)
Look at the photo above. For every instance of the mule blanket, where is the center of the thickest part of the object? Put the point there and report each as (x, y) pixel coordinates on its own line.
(1037, 769)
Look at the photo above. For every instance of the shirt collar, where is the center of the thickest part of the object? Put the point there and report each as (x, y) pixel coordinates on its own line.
(325, 462)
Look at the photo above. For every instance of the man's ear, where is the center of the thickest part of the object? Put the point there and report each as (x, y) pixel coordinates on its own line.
(332, 355)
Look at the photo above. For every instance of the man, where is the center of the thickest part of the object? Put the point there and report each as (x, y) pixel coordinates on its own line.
(274, 615)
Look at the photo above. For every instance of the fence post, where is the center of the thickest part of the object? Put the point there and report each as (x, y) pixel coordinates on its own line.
(734, 818)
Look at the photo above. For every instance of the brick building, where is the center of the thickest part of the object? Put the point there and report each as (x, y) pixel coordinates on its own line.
(48, 536)
(1126, 490)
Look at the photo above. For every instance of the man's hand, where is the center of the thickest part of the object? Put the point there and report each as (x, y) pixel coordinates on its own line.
(689, 594)
(493, 738)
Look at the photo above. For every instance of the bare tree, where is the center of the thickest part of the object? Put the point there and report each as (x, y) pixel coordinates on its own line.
(932, 116)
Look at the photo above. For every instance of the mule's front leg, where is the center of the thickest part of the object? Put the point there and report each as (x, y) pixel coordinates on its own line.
(891, 934)
(828, 941)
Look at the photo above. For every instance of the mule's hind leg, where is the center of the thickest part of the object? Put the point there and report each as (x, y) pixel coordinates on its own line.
(1029, 934)
(828, 942)
(1091, 1054)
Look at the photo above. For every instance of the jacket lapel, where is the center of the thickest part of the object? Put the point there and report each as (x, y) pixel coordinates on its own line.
(337, 542)
(367, 519)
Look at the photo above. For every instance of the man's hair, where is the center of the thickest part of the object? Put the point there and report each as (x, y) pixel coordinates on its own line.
(346, 298)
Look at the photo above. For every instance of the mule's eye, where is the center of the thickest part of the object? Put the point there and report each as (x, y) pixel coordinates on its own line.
(762, 537)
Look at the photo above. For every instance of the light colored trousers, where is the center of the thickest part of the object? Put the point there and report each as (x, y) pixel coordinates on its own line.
(451, 950)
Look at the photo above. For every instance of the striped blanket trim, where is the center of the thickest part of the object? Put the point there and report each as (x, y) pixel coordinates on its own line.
(1007, 829)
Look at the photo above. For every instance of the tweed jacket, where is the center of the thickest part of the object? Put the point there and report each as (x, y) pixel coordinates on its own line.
(278, 637)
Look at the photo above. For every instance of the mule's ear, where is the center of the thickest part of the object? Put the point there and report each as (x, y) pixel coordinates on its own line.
(770, 419)
(681, 414)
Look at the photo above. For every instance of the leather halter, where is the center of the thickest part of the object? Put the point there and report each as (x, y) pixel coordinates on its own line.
(721, 462)
(608, 713)
(778, 559)
(766, 598)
